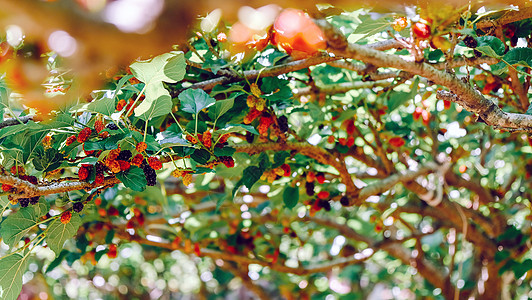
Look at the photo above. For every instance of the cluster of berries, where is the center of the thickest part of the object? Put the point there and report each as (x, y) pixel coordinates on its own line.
(350, 128)
(274, 174)
(206, 139)
(185, 175)
(322, 196)
(121, 104)
(86, 170)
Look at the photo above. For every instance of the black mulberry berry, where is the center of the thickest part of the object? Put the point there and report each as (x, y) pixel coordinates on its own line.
(309, 186)
(344, 201)
(112, 126)
(124, 155)
(250, 137)
(34, 200)
(24, 202)
(470, 42)
(151, 176)
(77, 207)
(99, 168)
(324, 204)
(283, 123)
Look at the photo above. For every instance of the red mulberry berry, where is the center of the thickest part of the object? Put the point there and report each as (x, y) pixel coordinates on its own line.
(120, 105)
(155, 163)
(228, 161)
(124, 165)
(70, 140)
(286, 169)
(323, 195)
(320, 177)
(141, 147)
(137, 160)
(6, 187)
(207, 139)
(84, 135)
(65, 217)
(98, 126)
(84, 172)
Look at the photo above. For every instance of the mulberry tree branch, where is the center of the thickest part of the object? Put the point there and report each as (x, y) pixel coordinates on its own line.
(463, 93)
(28, 189)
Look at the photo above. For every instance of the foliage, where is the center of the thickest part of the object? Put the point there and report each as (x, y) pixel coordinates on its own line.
(299, 166)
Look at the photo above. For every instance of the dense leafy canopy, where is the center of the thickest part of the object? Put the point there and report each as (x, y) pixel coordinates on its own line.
(343, 155)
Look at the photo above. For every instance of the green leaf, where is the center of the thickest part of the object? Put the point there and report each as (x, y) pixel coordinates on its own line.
(58, 233)
(201, 156)
(291, 196)
(167, 67)
(233, 128)
(225, 151)
(194, 100)
(4, 202)
(16, 225)
(501, 255)
(369, 26)
(160, 106)
(11, 270)
(134, 179)
(279, 158)
(220, 108)
(490, 46)
(264, 161)
(47, 160)
(521, 56)
(10, 130)
(521, 268)
(529, 110)
(251, 175)
(104, 106)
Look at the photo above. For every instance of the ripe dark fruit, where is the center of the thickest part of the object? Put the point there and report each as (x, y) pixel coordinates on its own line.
(77, 207)
(34, 200)
(283, 123)
(151, 176)
(124, 155)
(344, 201)
(309, 187)
(250, 137)
(24, 202)
(421, 30)
(470, 42)
(112, 126)
(324, 204)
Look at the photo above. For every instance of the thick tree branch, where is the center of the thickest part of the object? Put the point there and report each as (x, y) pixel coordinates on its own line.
(15, 121)
(385, 184)
(341, 88)
(464, 93)
(508, 17)
(28, 189)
